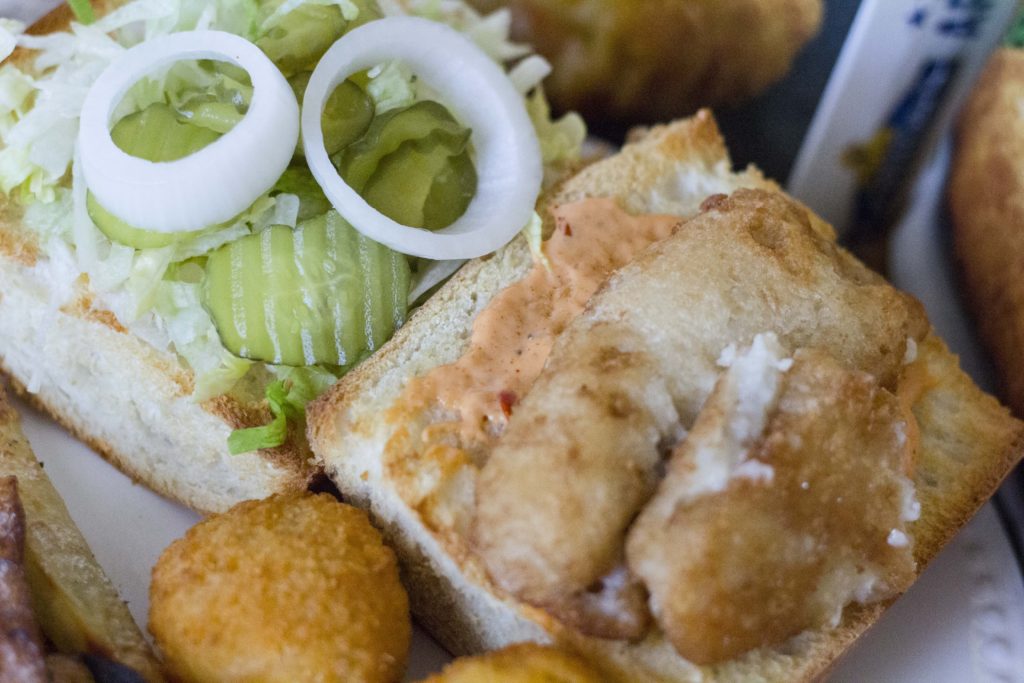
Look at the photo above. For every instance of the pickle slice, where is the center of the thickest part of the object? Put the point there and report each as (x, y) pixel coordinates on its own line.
(391, 130)
(154, 134)
(301, 37)
(413, 165)
(422, 184)
(347, 113)
(321, 294)
(157, 134)
(119, 231)
(299, 181)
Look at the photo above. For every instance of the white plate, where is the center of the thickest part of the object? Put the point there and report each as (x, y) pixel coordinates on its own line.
(962, 621)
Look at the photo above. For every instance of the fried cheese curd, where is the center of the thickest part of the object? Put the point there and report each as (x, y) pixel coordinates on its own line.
(658, 59)
(636, 368)
(297, 587)
(522, 663)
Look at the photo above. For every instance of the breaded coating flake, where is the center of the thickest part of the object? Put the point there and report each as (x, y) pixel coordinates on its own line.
(522, 663)
(294, 588)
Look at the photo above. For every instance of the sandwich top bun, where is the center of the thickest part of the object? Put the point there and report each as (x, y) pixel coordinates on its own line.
(648, 61)
(986, 202)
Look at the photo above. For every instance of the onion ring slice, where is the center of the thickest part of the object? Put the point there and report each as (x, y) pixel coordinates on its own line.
(211, 185)
(508, 158)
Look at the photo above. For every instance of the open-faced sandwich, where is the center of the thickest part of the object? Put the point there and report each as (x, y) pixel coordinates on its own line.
(689, 437)
(659, 419)
(176, 281)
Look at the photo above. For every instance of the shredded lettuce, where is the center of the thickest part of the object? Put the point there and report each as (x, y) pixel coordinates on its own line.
(391, 86)
(179, 313)
(561, 140)
(287, 398)
(349, 11)
(82, 10)
(10, 29)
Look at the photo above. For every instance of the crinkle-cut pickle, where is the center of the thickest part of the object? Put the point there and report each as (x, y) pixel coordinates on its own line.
(413, 165)
(321, 294)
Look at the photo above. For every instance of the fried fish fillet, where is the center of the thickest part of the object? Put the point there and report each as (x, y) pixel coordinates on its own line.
(788, 500)
(636, 367)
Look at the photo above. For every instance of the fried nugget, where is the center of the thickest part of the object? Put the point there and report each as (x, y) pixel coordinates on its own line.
(523, 663)
(294, 588)
(658, 59)
(635, 369)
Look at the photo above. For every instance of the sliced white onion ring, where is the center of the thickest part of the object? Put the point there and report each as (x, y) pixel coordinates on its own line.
(211, 185)
(508, 159)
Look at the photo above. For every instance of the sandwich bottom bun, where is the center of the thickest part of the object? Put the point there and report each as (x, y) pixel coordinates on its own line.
(986, 201)
(297, 587)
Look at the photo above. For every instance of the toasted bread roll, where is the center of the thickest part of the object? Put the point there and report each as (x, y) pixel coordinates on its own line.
(637, 366)
(424, 499)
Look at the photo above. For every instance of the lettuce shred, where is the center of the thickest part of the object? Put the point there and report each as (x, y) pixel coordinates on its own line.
(287, 398)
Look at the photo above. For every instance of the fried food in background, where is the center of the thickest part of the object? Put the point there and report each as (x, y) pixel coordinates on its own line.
(986, 201)
(657, 59)
(21, 644)
(77, 607)
(293, 588)
(524, 663)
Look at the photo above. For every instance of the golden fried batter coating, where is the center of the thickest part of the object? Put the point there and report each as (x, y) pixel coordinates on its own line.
(294, 588)
(778, 511)
(523, 663)
(658, 59)
(554, 501)
(986, 200)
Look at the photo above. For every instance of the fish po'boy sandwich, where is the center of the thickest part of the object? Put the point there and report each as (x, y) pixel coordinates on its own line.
(210, 211)
(688, 436)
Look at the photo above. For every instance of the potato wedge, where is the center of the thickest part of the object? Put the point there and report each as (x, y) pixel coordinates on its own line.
(78, 608)
(21, 645)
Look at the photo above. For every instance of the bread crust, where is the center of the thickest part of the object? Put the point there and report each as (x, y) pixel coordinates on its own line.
(126, 399)
(969, 442)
